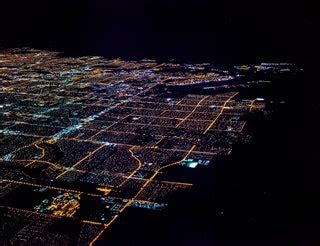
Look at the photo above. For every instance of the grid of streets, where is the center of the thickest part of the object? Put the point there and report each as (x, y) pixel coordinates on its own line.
(82, 139)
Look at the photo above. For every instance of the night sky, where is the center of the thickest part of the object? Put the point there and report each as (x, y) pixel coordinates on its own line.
(204, 30)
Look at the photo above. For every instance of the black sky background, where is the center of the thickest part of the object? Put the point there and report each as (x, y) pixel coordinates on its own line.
(202, 30)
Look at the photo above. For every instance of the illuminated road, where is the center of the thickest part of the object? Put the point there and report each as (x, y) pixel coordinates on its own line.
(105, 130)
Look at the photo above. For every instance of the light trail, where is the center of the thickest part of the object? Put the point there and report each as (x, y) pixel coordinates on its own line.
(222, 109)
(80, 161)
(195, 108)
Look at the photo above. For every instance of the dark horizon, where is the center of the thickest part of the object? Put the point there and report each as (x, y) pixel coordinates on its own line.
(205, 31)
